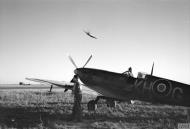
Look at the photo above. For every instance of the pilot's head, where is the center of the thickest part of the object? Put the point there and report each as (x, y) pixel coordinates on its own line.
(130, 69)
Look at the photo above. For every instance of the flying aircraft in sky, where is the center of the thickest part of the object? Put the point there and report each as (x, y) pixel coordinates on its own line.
(123, 87)
(88, 33)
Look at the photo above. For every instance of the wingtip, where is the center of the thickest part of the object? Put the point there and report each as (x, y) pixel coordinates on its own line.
(31, 79)
(28, 78)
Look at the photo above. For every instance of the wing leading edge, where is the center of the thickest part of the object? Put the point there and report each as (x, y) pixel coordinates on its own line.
(66, 85)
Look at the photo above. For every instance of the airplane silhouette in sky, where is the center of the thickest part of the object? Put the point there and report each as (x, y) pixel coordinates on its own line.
(88, 33)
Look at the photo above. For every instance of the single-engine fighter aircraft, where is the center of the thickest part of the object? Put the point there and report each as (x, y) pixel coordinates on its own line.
(88, 33)
(123, 87)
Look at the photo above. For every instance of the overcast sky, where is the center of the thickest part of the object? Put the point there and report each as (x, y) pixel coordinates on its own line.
(37, 35)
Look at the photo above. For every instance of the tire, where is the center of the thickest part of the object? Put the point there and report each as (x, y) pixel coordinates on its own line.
(111, 103)
(92, 106)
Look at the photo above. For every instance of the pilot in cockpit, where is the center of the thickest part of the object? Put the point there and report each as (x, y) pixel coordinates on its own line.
(129, 72)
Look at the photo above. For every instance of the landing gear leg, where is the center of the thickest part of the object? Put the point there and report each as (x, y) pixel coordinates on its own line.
(111, 103)
(92, 105)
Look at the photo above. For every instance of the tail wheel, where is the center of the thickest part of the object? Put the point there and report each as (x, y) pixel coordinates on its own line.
(111, 103)
(92, 105)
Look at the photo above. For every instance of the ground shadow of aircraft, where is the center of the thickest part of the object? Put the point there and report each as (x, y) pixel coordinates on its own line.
(115, 87)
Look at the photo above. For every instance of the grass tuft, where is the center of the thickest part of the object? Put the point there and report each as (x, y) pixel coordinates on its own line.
(32, 109)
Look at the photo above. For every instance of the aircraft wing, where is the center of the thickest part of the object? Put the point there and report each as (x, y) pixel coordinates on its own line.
(92, 36)
(62, 84)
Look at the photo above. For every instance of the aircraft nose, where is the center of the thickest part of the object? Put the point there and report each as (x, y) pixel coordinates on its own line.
(76, 71)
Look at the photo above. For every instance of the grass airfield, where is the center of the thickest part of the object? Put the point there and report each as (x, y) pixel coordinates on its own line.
(40, 109)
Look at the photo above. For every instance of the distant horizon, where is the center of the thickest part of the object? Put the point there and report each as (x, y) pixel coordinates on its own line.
(37, 83)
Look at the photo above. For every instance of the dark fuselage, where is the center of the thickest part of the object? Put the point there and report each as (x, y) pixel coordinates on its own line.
(123, 87)
(107, 83)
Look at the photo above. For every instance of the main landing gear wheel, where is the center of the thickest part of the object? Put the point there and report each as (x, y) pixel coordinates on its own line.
(111, 103)
(92, 105)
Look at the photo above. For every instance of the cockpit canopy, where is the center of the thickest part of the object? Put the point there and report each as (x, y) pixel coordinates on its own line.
(141, 75)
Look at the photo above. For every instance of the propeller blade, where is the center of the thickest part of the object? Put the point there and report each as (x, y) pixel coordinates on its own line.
(72, 61)
(152, 69)
(87, 61)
